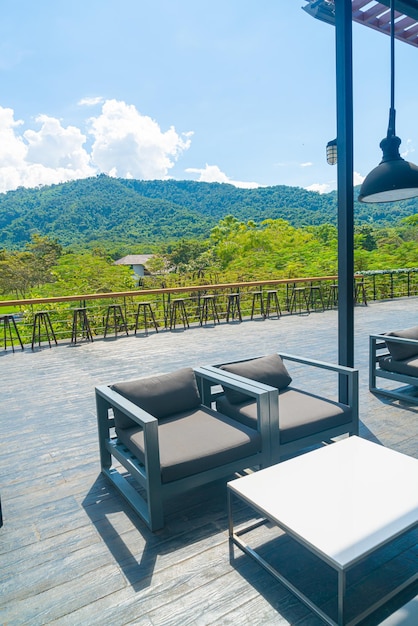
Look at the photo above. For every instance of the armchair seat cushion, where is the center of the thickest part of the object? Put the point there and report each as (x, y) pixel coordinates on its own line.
(195, 441)
(301, 414)
(409, 367)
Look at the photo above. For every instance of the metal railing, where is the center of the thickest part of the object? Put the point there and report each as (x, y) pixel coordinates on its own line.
(372, 285)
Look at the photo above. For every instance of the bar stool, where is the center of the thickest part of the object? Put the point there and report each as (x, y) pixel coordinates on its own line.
(9, 322)
(81, 322)
(315, 296)
(114, 311)
(332, 296)
(208, 303)
(258, 300)
(40, 319)
(178, 308)
(299, 300)
(273, 302)
(360, 292)
(233, 307)
(146, 310)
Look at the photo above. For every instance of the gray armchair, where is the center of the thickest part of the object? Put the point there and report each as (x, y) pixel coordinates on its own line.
(393, 359)
(298, 418)
(169, 441)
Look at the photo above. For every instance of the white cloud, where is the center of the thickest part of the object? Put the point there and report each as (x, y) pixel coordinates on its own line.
(213, 174)
(319, 187)
(128, 144)
(327, 187)
(357, 178)
(125, 143)
(307, 164)
(408, 150)
(90, 101)
(56, 147)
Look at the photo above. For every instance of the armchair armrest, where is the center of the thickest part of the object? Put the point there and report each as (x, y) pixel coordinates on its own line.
(106, 399)
(265, 396)
(350, 373)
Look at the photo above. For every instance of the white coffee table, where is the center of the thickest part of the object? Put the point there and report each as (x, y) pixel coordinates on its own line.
(342, 502)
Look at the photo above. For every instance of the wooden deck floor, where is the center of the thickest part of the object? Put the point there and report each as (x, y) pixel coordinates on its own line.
(71, 551)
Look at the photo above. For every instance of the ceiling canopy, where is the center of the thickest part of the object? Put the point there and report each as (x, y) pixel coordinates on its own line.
(375, 15)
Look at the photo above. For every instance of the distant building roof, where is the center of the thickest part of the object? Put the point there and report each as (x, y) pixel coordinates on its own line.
(134, 259)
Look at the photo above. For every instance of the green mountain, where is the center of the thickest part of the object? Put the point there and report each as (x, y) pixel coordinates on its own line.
(111, 209)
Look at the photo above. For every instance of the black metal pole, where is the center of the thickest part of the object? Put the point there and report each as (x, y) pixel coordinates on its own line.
(344, 77)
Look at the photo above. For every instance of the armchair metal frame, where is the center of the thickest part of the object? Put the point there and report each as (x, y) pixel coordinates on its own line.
(149, 504)
(377, 350)
(277, 447)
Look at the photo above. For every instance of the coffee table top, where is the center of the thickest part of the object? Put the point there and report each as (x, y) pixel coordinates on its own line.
(342, 501)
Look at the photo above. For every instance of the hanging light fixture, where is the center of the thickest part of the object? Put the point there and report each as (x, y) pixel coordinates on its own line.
(332, 152)
(394, 178)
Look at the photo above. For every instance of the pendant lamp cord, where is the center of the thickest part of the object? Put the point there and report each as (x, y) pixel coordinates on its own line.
(392, 112)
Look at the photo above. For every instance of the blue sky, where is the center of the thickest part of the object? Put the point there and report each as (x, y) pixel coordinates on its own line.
(226, 90)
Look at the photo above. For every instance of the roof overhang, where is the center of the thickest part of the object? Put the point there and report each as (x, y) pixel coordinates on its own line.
(375, 15)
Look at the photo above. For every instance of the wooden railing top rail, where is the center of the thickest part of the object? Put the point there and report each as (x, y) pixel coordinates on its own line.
(166, 290)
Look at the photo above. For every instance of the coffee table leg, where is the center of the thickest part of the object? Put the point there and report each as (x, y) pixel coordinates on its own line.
(341, 596)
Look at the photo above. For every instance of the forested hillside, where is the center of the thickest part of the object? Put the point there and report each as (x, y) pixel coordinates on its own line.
(104, 210)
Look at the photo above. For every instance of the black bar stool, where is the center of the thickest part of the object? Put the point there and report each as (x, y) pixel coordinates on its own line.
(258, 301)
(315, 297)
(233, 307)
(81, 322)
(9, 322)
(332, 296)
(360, 292)
(299, 300)
(115, 319)
(273, 303)
(40, 319)
(207, 307)
(145, 309)
(178, 308)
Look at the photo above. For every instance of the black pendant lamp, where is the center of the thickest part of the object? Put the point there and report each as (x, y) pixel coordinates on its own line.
(394, 178)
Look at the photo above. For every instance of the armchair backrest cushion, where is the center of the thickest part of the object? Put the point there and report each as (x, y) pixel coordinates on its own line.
(269, 370)
(161, 396)
(401, 351)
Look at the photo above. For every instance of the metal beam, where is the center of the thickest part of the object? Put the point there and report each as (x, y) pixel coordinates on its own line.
(344, 81)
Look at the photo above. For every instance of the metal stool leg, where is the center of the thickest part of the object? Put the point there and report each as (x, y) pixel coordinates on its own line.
(258, 298)
(233, 307)
(80, 317)
(8, 322)
(115, 310)
(42, 317)
(273, 300)
(208, 302)
(146, 309)
(298, 297)
(178, 307)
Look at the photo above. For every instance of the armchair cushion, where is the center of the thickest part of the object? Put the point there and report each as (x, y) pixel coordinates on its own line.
(194, 441)
(409, 367)
(269, 370)
(161, 396)
(401, 351)
(301, 414)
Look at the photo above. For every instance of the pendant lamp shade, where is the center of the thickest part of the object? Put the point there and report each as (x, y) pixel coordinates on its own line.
(394, 178)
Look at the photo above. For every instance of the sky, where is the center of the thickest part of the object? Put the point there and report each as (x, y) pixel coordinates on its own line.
(234, 91)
